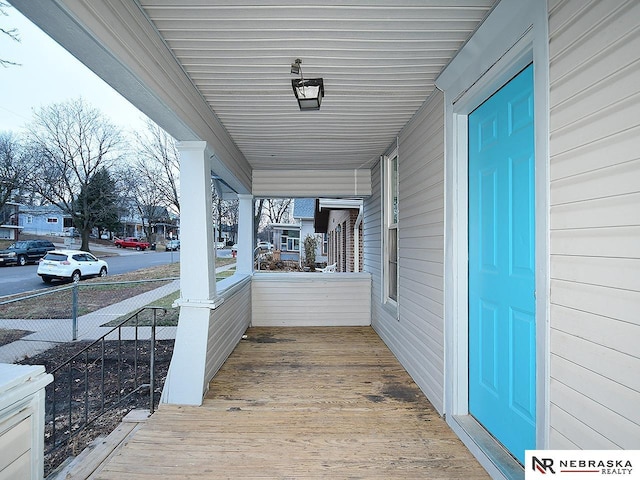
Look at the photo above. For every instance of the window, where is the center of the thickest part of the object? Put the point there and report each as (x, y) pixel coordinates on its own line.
(29, 219)
(52, 220)
(325, 244)
(391, 228)
(290, 240)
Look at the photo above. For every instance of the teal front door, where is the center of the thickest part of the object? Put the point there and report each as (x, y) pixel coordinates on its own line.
(502, 361)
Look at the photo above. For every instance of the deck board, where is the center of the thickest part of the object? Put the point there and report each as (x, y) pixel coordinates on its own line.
(300, 403)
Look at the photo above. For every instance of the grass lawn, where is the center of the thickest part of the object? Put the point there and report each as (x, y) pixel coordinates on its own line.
(168, 318)
(91, 297)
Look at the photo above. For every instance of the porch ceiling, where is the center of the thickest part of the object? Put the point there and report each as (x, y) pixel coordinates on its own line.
(378, 59)
(223, 67)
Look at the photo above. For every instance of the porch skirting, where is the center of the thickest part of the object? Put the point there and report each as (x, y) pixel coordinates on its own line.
(311, 299)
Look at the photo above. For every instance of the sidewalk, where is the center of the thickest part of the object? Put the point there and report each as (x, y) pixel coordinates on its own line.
(49, 333)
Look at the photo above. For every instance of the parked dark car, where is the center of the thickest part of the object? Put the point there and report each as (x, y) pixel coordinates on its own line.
(25, 251)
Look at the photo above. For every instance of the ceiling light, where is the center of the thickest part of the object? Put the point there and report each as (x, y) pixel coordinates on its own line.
(308, 92)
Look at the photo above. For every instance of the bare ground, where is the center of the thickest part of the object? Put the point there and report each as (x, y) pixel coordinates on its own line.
(69, 391)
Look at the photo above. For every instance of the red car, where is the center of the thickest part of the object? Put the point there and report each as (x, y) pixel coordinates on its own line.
(131, 242)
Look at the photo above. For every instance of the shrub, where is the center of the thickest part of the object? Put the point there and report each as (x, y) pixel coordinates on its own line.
(310, 244)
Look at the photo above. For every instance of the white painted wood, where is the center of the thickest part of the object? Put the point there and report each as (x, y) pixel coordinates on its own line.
(22, 408)
(206, 334)
(185, 382)
(244, 263)
(229, 322)
(311, 299)
(196, 225)
(14, 440)
(311, 183)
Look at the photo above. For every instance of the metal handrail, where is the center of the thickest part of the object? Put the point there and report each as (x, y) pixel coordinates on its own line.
(73, 421)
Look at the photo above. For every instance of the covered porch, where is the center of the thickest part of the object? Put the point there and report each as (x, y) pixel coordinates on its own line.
(300, 402)
(403, 83)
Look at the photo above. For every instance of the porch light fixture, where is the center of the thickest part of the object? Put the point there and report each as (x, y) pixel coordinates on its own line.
(308, 92)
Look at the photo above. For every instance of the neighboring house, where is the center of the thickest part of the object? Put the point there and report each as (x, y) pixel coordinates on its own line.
(341, 220)
(285, 237)
(163, 224)
(130, 225)
(9, 227)
(304, 212)
(44, 220)
(496, 154)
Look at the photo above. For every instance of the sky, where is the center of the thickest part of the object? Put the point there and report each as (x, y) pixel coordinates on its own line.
(49, 74)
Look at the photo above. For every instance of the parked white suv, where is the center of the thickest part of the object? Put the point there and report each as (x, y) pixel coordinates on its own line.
(70, 265)
(265, 245)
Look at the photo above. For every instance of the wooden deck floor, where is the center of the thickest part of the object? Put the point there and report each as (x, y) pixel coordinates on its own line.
(300, 403)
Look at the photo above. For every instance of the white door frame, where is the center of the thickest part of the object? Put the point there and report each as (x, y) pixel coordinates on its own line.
(513, 35)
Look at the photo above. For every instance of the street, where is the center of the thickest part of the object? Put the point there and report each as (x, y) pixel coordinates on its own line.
(22, 279)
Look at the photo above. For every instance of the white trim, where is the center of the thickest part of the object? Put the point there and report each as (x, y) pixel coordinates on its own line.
(388, 225)
(356, 239)
(244, 263)
(514, 35)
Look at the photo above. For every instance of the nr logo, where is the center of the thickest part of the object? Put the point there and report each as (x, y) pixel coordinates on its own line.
(542, 465)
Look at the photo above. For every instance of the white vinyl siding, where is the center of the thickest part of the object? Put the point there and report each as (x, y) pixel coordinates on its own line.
(417, 339)
(311, 183)
(311, 299)
(228, 322)
(595, 224)
(372, 247)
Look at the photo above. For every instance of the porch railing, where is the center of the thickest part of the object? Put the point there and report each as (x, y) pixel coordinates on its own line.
(100, 377)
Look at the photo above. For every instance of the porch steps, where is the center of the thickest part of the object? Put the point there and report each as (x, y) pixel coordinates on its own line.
(90, 461)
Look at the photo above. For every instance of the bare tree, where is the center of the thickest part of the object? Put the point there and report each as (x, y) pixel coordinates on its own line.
(158, 162)
(225, 212)
(142, 197)
(270, 210)
(12, 33)
(230, 215)
(69, 143)
(13, 168)
(277, 210)
(258, 207)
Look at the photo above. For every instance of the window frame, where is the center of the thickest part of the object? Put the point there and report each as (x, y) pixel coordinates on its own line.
(390, 225)
(287, 240)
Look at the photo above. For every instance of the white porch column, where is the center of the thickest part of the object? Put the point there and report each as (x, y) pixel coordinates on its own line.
(186, 383)
(197, 248)
(245, 235)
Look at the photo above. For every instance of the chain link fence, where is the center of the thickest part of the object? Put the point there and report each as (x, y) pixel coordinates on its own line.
(35, 323)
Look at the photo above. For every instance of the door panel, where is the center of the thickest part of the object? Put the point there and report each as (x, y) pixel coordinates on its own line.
(502, 265)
